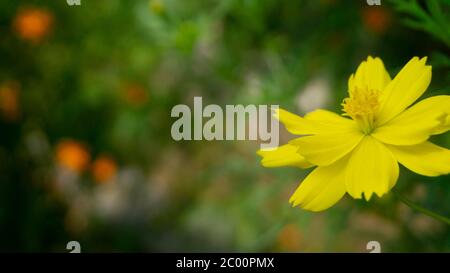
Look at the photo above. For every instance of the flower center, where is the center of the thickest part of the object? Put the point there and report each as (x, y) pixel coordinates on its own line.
(362, 106)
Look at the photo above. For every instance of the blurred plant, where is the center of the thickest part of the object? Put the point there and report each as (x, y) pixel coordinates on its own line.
(156, 6)
(435, 19)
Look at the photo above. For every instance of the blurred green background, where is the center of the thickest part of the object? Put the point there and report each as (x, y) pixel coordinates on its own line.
(85, 147)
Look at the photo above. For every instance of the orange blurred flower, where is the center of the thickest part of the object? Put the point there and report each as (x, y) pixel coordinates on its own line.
(135, 94)
(33, 24)
(289, 238)
(72, 155)
(103, 169)
(9, 101)
(376, 19)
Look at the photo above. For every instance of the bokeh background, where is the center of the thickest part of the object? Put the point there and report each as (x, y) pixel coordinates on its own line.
(85, 147)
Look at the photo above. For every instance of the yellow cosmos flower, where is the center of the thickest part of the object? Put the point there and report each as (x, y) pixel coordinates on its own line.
(358, 153)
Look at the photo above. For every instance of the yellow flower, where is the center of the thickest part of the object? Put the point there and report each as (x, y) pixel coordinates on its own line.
(359, 153)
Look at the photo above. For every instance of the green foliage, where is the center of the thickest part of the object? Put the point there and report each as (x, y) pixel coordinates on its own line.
(434, 18)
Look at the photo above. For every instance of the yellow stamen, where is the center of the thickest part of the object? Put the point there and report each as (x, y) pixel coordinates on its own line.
(362, 106)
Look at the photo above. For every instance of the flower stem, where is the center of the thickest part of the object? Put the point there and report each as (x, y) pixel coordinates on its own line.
(418, 208)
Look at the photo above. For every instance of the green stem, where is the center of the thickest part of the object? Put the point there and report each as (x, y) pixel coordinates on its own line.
(418, 208)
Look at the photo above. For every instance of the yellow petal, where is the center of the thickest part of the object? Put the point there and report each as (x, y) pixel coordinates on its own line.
(325, 149)
(285, 155)
(322, 188)
(426, 158)
(330, 120)
(316, 122)
(417, 123)
(444, 125)
(371, 169)
(294, 124)
(370, 75)
(409, 84)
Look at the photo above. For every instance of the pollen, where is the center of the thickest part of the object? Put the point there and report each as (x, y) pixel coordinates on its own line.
(362, 106)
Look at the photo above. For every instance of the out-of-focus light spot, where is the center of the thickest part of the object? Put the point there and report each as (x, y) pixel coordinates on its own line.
(376, 19)
(33, 24)
(110, 200)
(9, 101)
(135, 95)
(72, 155)
(77, 220)
(157, 6)
(104, 169)
(316, 94)
(289, 238)
(37, 144)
